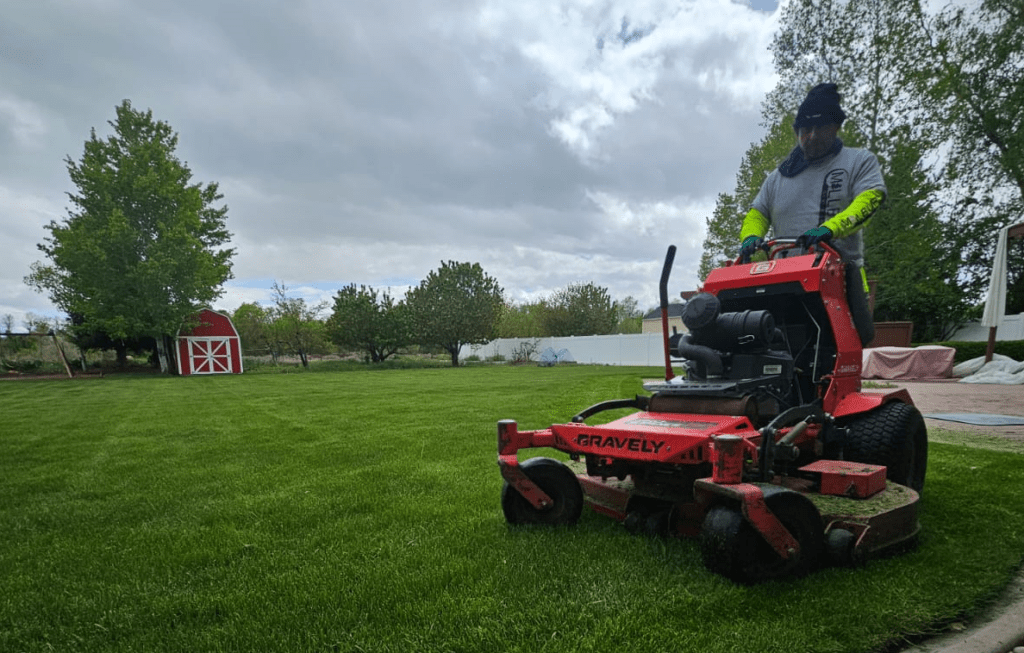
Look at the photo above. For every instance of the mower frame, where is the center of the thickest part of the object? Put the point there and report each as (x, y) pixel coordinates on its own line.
(748, 464)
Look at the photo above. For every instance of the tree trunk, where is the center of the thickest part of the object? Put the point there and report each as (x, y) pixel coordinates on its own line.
(122, 354)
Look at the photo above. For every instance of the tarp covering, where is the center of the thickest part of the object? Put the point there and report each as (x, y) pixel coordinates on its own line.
(550, 357)
(979, 419)
(1001, 370)
(926, 362)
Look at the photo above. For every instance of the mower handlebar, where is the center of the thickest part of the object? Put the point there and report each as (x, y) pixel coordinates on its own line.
(779, 248)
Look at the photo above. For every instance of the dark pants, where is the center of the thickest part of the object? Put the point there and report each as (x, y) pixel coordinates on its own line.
(859, 307)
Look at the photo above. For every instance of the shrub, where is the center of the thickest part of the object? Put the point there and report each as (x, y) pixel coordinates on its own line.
(965, 351)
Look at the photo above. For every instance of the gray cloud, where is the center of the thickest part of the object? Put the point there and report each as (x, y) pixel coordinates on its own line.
(363, 142)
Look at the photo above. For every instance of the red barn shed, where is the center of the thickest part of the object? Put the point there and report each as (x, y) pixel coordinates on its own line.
(212, 347)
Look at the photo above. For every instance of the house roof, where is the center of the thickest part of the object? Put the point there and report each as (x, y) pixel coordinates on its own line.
(674, 310)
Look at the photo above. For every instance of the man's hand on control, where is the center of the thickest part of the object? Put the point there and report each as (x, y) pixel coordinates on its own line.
(814, 236)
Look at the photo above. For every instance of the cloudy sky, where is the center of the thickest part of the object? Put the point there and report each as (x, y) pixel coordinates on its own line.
(553, 142)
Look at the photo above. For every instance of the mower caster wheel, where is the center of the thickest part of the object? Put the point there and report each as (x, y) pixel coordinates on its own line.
(651, 524)
(841, 545)
(635, 522)
(558, 482)
(730, 545)
(657, 524)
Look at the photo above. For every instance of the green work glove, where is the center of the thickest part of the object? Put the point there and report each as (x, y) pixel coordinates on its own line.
(749, 246)
(814, 236)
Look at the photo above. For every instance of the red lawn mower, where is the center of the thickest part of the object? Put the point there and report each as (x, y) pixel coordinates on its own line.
(763, 446)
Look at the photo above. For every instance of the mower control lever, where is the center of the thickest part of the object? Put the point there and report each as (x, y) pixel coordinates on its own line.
(640, 402)
(784, 449)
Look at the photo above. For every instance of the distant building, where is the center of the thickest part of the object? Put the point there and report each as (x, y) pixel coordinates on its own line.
(652, 321)
(211, 347)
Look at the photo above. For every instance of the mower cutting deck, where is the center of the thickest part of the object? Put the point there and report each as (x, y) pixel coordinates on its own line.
(764, 446)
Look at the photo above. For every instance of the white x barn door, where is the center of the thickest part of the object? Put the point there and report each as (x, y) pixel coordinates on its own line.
(209, 355)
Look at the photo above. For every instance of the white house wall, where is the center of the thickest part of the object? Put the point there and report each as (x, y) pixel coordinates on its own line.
(1011, 328)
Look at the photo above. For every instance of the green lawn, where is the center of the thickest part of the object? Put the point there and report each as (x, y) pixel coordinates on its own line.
(359, 511)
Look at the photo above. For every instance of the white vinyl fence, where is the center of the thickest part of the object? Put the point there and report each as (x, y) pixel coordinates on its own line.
(641, 349)
(646, 349)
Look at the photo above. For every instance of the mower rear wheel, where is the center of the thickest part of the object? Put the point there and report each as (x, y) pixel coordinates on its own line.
(558, 482)
(893, 435)
(730, 545)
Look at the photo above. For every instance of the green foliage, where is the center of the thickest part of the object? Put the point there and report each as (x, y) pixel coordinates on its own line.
(865, 46)
(974, 84)
(398, 362)
(966, 351)
(140, 250)
(521, 321)
(253, 323)
(298, 326)
(912, 255)
(457, 304)
(581, 309)
(370, 321)
(628, 316)
(11, 345)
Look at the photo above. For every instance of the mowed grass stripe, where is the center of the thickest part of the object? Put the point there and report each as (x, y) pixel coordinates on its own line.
(360, 511)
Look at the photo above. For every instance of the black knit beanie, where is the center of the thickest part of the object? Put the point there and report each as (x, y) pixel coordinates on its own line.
(820, 107)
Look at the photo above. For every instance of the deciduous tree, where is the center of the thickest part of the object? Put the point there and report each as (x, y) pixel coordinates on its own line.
(908, 79)
(580, 309)
(972, 83)
(457, 304)
(254, 323)
(521, 321)
(368, 320)
(628, 316)
(141, 248)
(297, 324)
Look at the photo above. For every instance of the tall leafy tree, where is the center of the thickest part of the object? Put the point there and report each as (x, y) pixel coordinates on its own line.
(914, 262)
(865, 46)
(580, 309)
(370, 321)
(142, 246)
(972, 81)
(457, 304)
